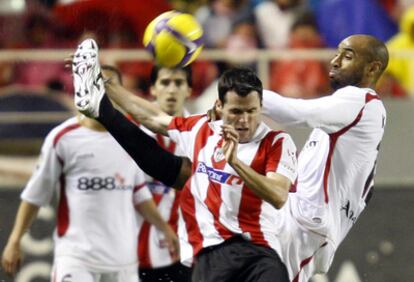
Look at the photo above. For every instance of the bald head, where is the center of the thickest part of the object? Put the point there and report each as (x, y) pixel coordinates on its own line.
(360, 61)
(372, 48)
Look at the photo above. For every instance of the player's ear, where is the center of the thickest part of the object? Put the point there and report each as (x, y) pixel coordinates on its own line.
(152, 91)
(375, 67)
(218, 109)
(218, 105)
(215, 112)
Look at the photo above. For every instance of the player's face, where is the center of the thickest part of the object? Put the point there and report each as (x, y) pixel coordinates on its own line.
(349, 64)
(171, 89)
(243, 113)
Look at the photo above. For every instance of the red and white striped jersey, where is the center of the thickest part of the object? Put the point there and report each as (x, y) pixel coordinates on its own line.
(152, 249)
(215, 203)
(99, 185)
(336, 168)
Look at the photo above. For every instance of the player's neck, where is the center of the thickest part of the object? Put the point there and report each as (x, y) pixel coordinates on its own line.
(179, 113)
(90, 123)
(367, 83)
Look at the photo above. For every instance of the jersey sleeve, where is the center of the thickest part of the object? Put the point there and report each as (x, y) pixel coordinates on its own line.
(43, 182)
(282, 157)
(141, 190)
(330, 113)
(141, 194)
(183, 131)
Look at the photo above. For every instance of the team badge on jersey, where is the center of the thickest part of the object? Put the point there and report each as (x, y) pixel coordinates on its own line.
(218, 155)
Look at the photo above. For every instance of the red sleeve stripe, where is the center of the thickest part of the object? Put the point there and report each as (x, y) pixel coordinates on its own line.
(184, 123)
(64, 131)
(369, 97)
(63, 209)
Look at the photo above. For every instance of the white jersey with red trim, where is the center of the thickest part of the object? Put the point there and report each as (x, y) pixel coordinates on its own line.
(152, 249)
(99, 185)
(336, 168)
(215, 203)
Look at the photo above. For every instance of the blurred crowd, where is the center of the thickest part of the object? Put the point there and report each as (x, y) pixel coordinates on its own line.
(228, 24)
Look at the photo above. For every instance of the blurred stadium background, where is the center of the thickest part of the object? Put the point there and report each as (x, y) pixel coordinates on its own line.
(288, 42)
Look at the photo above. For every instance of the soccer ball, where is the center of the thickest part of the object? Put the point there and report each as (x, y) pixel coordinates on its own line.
(174, 39)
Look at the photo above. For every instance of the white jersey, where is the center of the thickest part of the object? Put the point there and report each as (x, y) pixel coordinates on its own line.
(215, 203)
(152, 249)
(99, 185)
(335, 172)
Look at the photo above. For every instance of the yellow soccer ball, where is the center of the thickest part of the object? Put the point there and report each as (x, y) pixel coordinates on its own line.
(174, 39)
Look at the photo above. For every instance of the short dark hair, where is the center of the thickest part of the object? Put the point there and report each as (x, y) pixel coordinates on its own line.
(240, 80)
(156, 69)
(114, 70)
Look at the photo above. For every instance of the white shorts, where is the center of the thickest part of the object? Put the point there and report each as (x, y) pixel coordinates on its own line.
(69, 270)
(305, 248)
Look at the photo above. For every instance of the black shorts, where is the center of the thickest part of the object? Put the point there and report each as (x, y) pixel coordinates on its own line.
(239, 260)
(172, 273)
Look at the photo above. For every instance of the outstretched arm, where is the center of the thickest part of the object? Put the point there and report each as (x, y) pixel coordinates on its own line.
(11, 257)
(173, 171)
(149, 211)
(330, 113)
(145, 112)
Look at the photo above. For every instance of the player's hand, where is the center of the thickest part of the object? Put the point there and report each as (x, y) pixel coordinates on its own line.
(110, 80)
(11, 258)
(215, 112)
(173, 243)
(231, 141)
